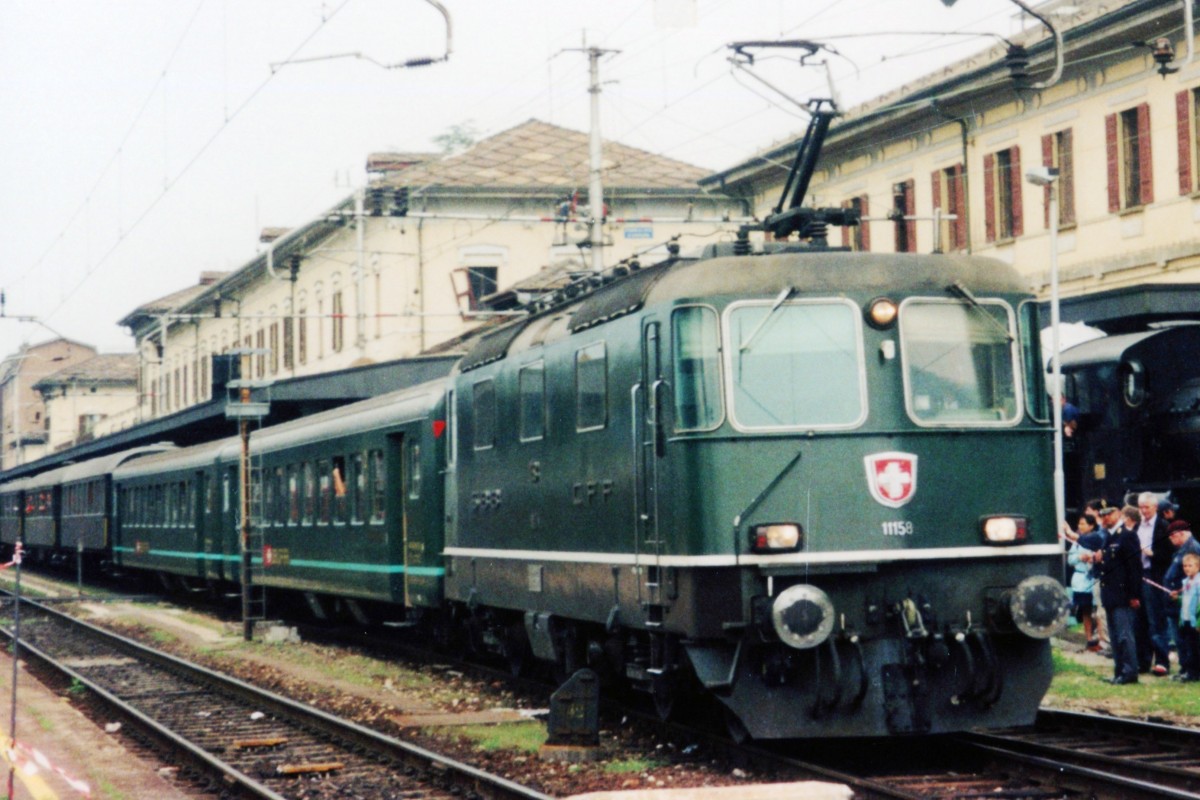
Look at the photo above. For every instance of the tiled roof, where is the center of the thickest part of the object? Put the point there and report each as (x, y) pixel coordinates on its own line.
(174, 300)
(104, 368)
(537, 154)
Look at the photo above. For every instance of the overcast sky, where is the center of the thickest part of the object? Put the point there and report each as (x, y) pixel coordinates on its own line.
(146, 141)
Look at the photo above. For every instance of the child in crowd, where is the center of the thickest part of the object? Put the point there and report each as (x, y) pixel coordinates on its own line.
(1083, 580)
(1190, 599)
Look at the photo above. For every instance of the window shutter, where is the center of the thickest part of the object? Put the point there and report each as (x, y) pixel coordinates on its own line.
(1047, 161)
(1145, 162)
(989, 197)
(960, 206)
(1183, 133)
(910, 209)
(864, 225)
(935, 181)
(1114, 170)
(1018, 207)
(1066, 177)
(846, 228)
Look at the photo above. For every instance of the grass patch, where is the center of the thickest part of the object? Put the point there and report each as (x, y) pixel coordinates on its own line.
(1077, 684)
(41, 720)
(627, 766)
(525, 737)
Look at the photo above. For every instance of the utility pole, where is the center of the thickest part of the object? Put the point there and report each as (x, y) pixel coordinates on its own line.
(596, 159)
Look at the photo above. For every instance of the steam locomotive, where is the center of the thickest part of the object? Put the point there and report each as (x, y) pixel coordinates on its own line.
(1138, 396)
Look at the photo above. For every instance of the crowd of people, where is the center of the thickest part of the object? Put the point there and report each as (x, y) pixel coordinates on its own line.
(1142, 564)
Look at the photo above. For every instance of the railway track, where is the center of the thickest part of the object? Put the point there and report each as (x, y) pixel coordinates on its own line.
(250, 743)
(1065, 756)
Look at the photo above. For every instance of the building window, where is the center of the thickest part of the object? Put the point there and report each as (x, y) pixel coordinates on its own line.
(857, 237)
(274, 348)
(1002, 194)
(950, 197)
(302, 336)
(1058, 152)
(260, 358)
(1130, 173)
(339, 322)
(87, 426)
(289, 336)
(904, 205)
(482, 282)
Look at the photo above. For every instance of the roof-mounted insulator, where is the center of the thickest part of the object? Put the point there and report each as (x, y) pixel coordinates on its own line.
(1017, 61)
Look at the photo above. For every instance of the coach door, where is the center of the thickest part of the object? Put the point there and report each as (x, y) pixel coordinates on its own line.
(651, 396)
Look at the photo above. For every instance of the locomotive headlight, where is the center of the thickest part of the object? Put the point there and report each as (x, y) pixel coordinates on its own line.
(1039, 607)
(881, 312)
(776, 537)
(1005, 530)
(802, 616)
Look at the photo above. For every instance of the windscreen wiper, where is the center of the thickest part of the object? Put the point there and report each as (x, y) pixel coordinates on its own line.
(783, 296)
(958, 289)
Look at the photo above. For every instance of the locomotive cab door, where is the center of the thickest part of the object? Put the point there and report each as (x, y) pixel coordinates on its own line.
(650, 397)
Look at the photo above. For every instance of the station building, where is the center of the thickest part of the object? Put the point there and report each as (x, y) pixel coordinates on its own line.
(401, 267)
(24, 429)
(1121, 124)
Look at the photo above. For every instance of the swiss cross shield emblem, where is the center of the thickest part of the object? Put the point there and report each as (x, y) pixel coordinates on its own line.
(892, 477)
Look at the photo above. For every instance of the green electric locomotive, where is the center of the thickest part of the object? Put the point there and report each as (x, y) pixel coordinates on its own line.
(814, 485)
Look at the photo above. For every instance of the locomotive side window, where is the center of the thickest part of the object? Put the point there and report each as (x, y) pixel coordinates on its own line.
(591, 388)
(483, 401)
(959, 363)
(695, 343)
(796, 364)
(531, 386)
(1133, 383)
(1031, 362)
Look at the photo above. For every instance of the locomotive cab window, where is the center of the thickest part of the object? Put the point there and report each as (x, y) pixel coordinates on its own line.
(795, 365)
(695, 343)
(1031, 363)
(960, 362)
(591, 388)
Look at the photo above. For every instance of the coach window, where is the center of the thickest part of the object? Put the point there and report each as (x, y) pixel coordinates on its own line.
(325, 492)
(270, 497)
(531, 386)
(378, 485)
(293, 495)
(1031, 363)
(483, 407)
(278, 509)
(310, 493)
(796, 365)
(358, 484)
(960, 362)
(414, 471)
(696, 346)
(341, 502)
(591, 388)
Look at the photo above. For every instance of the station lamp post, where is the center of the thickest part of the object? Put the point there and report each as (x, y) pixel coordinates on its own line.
(1047, 177)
